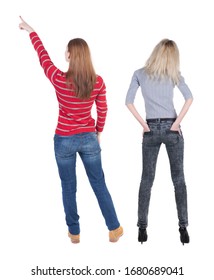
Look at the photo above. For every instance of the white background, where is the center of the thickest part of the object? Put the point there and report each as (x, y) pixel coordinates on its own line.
(121, 36)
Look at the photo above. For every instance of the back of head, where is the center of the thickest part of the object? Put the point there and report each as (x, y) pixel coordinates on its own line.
(164, 61)
(80, 75)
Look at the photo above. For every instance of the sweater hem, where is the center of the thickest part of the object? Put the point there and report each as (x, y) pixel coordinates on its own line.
(73, 132)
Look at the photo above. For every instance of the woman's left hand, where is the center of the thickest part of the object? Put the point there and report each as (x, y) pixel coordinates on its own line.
(24, 26)
(175, 127)
(98, 137)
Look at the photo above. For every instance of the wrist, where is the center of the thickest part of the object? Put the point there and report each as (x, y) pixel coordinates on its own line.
(30, 30)
(144, 125)
(177, 124)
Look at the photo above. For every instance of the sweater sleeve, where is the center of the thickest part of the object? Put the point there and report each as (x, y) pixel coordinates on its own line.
(184, 89)
(49, 68)
(134, 85)
(101, 105)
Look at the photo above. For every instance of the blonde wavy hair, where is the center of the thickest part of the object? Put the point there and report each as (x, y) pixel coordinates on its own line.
(164, 61)
(81, 75)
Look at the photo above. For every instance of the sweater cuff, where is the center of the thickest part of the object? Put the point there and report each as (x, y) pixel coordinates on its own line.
(32, 34)
(98, 129)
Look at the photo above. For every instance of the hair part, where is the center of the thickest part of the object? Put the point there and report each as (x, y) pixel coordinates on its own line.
(164, 61)
(81, 75)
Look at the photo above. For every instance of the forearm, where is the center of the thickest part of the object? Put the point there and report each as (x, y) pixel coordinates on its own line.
(183, 111)
(38, 46)
(43, 55)
(102, 107)
(101, 119)
(138, 117)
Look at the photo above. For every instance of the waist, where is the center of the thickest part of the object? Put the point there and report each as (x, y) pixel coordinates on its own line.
(161, 120)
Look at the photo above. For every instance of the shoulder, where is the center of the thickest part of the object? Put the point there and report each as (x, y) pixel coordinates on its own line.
(99, 80)
(140, 73)
(100, 84)
(140, 70)
(60, 75)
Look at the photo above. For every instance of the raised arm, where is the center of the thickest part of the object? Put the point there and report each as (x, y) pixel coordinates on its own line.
(49, 68)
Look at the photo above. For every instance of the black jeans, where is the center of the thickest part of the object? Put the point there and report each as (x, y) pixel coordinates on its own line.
(160, 133)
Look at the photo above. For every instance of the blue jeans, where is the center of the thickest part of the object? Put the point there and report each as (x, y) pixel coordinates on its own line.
(160, 133)
(88, 148)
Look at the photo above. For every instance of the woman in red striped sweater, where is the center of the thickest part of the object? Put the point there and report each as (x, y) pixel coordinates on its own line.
(77, 132)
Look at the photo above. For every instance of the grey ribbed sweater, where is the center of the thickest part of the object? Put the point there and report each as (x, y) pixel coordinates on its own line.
(158, 94)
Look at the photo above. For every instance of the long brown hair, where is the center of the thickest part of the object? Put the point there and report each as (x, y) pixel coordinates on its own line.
(164, 61)
(80, 76)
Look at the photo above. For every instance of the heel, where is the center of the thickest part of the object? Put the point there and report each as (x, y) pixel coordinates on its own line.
(115, 234)
(75, 238)
(184, 236)
(142, 235)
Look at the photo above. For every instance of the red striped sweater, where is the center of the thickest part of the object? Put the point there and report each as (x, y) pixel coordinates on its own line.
(74, 113)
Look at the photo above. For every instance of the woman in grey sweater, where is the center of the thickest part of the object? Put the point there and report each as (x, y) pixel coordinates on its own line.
(157, 80)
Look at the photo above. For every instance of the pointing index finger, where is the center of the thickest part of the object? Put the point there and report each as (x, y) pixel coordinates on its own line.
(21, 19)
